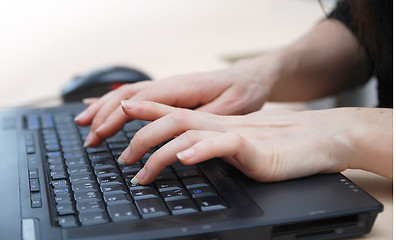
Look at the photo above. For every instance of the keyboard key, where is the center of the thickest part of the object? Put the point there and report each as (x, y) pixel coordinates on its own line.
(122, 212)
(34, 185)
(152, 207)
(61, 182)
(107, 172)
(167, 185)
(52, 147)
(61, 190)
(144, 193)
(75, 154)
(80, 178)
(56, 166)
(85, 187)
(137, 186)
(130, 168)
(182, 206)
(63, 198)
(108, 163)
(78, 170)
(58, 174)
(91, 218)
(201, 191)
(118, 137)
(72, 147)
(67, 221)
(117, 199)
(101, 148)
(166, 175)
(188, 173)
(175, 195)
(90, 196)
(195, 182)
(180, 166)
(93, 206)
(114, 189)
(210, 203)
(94, 157)
(111, 180)
(65, 209)
(35, 198)
(119, 145)
(132, 126)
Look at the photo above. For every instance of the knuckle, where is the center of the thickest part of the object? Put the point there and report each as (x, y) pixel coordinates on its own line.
(237, 140)
(190, 136)
(142, 95)
(180, 116)
(139, 138)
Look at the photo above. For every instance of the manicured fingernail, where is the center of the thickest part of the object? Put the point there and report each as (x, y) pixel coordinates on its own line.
(88, 140)
(121, 160)
(77, 117)
(128, 104)
(186, 154)
(139, 176)
(88, 101)
(86, 144)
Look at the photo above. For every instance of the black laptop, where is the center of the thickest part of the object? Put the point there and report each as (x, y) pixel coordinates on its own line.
(52, 188)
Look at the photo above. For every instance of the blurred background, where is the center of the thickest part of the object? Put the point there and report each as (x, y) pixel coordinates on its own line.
(45, 44)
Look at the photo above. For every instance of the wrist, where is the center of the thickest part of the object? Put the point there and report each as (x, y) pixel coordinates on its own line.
(368, 139)
(264, 70)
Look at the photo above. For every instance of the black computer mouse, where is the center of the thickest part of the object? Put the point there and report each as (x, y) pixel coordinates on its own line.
(99, 82)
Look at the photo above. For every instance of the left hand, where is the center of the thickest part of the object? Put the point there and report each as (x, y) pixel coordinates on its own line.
(269, 145)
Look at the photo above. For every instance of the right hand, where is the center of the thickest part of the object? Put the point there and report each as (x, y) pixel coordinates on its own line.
(225, 92)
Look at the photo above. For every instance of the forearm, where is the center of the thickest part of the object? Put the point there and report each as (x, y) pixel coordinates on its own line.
(325, 61)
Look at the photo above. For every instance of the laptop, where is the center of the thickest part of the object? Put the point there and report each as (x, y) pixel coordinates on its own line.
(54, 189)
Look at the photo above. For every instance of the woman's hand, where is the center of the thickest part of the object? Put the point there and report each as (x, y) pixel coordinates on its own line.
(230, 91)
(265, 145)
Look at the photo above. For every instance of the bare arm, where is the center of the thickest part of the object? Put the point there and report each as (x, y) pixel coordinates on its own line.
(326, 60)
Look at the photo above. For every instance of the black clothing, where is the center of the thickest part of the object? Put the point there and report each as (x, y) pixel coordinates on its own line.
(382, 63)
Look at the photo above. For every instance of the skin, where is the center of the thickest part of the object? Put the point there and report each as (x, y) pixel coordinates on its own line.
(269, 145)
(286, 144)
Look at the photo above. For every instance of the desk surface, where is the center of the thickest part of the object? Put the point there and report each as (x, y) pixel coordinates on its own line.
(45, 43)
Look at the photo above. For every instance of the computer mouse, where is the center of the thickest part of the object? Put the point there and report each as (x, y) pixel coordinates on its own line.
(99, 82)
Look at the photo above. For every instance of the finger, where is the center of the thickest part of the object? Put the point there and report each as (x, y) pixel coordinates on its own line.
(174, 93)
(146, 110)
(235, 149)
(225, 104)
(102, 114)
(86, 116)
(113, 123)
(143, 110)
(90, 101)
(166, 128)
(166, 155)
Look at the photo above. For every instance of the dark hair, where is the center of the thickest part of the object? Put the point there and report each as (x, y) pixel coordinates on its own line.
(366, 20)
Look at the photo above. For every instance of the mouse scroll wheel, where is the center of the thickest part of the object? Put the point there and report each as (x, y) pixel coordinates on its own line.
(115, 86)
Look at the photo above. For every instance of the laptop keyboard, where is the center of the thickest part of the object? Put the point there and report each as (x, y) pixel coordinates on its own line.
(88, 186)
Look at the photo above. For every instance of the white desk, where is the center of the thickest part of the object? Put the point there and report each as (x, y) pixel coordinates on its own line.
(45, 43)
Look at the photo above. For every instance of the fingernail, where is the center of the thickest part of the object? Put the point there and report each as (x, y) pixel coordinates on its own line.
(121, 160)
(128, 104)
(88, 140)
(86, 144)
(139, 176)
(77, 117)
(87, 101)
(186, 154)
